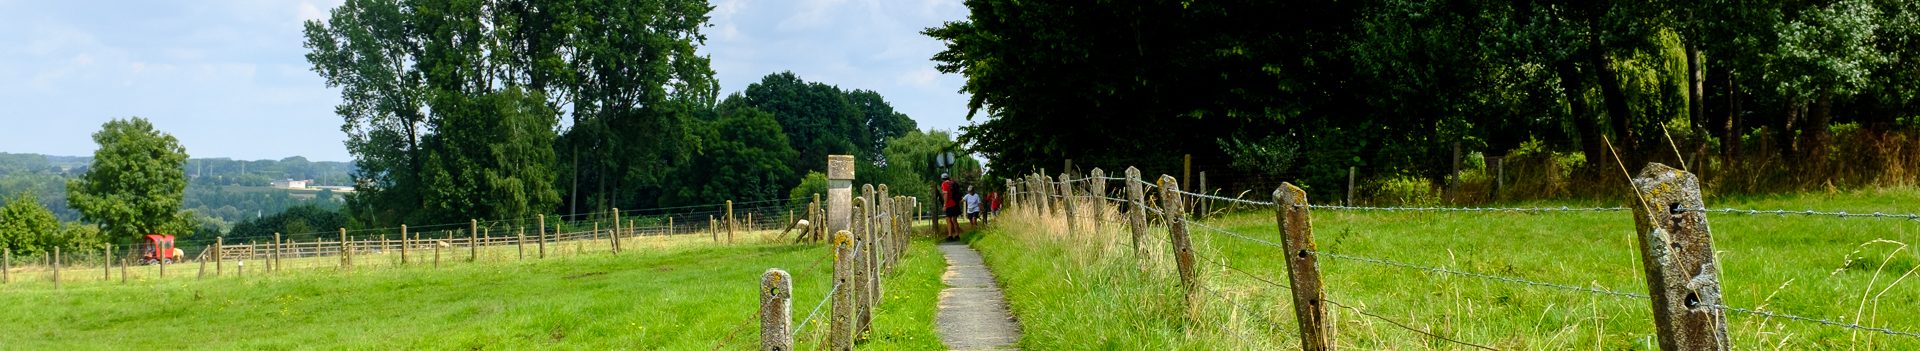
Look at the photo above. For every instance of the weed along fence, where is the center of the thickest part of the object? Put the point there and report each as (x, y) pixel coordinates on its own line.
(603, 232)
(1152, 221)
(871, 232)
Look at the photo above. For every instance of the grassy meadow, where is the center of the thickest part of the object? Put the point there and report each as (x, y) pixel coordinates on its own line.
(1855, 270)
(675, 293)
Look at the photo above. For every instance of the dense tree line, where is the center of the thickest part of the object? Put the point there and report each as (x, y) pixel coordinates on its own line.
(507, 109)
(1391, 86)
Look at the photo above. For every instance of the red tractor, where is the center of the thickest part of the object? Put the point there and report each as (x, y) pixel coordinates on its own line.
(158, 248)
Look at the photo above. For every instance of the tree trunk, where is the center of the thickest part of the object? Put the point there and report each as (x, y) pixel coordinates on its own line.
(1582, 114)
(1730, 129)
(1817, 135)
(1619, 114)
(1696, 91)
(1783, 138)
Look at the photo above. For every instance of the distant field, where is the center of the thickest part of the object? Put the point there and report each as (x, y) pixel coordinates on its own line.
(1084, 291)
(662, 293)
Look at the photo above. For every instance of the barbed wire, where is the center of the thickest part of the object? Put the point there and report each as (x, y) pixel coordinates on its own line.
(802, 329)
(1385, 262)
(1818, 321)
(1470, 209)
(1404, 326)
(1236, 235)
(1223, 198)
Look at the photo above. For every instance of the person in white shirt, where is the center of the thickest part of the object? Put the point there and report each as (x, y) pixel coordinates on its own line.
(973, 206)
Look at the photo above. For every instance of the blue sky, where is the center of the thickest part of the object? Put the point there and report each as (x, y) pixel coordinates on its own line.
(227, 77)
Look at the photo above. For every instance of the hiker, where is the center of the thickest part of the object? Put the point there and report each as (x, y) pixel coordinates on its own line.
(993, 204)
(973, 207)
(952, 208)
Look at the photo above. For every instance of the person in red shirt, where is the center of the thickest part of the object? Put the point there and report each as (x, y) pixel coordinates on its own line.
(993, 203)
(947, 193)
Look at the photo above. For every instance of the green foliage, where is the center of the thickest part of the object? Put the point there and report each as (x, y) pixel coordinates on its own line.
(136, 184)
(744, 158)
(815, 183)
(25, 226)
(304, 222)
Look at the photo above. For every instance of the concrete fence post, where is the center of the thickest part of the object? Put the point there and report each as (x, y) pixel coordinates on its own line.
(1068, 204)
(1676, 247)
(123, 270)
(839, 193)
(858, 266)
(520, 242)
(1350, 171)
(1303, 267)
(841, 318)
(1097, 191)
(436, 255)
(814, 213)
(776, 311)
(1176, 219)
(1137, 214)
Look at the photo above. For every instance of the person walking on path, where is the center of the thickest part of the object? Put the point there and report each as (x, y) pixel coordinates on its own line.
(952, 208)
(973, 208)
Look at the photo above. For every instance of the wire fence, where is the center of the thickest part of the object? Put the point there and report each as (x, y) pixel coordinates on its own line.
(1102, 201)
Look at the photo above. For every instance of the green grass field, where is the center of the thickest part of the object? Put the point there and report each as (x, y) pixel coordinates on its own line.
(1088, 291)
(683, 295)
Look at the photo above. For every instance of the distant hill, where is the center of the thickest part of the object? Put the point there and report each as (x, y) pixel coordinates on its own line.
(220, 191)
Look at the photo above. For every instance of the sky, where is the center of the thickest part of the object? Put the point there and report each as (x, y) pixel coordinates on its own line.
(229, 79)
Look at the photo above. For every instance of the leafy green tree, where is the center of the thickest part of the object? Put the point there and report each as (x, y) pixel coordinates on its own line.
(25, 226)
(136, 184)
(743, 158)
(299, 222)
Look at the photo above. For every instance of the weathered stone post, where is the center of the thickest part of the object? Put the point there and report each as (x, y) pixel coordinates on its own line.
(839, 192)
(1676, 247)
(776, 311)
(1176, 219)
(1303, 267)
(862, 298)
(1097, 189)
(1068, 204)
(840, 334)
(1137, 213)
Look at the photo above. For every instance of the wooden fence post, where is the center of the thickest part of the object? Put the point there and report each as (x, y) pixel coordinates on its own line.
(1350, 171)
(1676, 247)
(614, 236)
(521, 242)
(1204, 204)
(776, 311)
(106, 263)
(219, 249)
(1137, 214)
(56, 267)
(346, 253)
(542, 233)
(713, 228)
(123, 270)
(1176, 220)
(403, 244)
(840, 334)
(6, 265)
(1303, 267)
(473, 240)
(729, 221)
(278, 251)
(203, 265)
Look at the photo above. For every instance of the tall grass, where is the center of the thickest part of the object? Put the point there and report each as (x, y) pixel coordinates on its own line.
(1085, 290)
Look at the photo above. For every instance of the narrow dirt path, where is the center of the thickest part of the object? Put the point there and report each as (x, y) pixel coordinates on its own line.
(973, 313)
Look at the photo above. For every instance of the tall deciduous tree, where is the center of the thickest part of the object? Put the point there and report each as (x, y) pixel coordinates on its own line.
(136, 183)
(25, 226)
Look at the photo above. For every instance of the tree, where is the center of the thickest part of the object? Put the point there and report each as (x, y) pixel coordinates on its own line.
(299, 222)
(743, 157)
(25, 226)
(136, 184)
